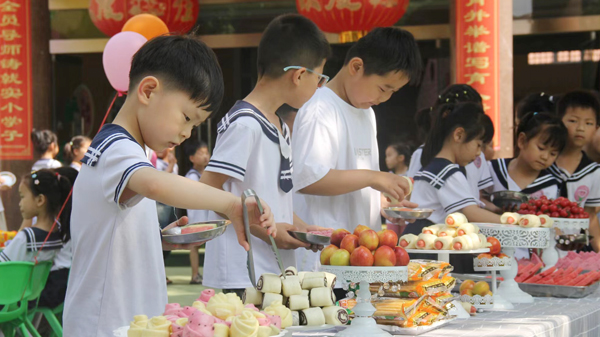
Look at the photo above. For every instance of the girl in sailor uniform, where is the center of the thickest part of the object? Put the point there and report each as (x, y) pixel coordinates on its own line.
(477, 172)
(540, 138)
(455, 140)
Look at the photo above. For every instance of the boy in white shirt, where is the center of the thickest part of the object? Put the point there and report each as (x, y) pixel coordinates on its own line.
(253, 148)
(335, 143)
(117, 270)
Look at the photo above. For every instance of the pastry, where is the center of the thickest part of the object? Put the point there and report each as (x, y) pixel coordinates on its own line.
(456, 219)
(509, 218)
(312, 317)
(322, 297)
(291, 286)
(443, 243)
(269, 283)
(425, 241)
(252, 296)
(245, 325)
(335, 315)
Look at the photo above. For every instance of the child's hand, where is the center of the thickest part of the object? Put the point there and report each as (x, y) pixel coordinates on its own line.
(394, 185)
(236, 215)
(311, 228)
(285, 240)
(171, 246)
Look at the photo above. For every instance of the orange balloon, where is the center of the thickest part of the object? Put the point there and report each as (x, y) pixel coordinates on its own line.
(148, 25)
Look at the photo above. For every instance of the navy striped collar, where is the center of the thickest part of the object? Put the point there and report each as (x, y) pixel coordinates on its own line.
(108, 135)
(36, 236)
(438, 171)
(585, 167)
(544, 179)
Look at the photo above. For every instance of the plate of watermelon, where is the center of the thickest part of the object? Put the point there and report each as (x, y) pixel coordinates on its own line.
(322, 238)
(199, 232)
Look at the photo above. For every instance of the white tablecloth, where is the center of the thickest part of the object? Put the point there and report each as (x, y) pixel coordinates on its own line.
(546, 317)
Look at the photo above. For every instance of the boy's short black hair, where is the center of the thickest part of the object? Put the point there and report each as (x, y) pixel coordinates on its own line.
(389, 49)
(184, 63)
(192, 145)
(579, 99)
(291, 40)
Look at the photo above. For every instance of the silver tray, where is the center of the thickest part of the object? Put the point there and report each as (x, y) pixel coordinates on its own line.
(547, 290)
(508, 200)
(408, 213)
(313, 239)
(174, 235)
(414, 331)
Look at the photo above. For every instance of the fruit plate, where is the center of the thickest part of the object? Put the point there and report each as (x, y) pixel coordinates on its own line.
(174, 235)
(495, 263)
(447, 251)
(414, 331)
(313, 239)
(122, 332)
(369, 274)
(9, 178)
(408, 213)
(479, 302)
(549, 290)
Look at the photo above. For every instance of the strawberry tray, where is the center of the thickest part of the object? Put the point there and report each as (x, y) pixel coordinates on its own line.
(548, 290)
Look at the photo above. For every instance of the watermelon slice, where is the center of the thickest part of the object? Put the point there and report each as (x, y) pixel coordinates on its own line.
(197, 228)
(535, 259)
(534, 279)
(528, 272)
(548, 272)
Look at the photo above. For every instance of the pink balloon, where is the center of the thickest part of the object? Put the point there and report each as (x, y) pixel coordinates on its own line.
(118, 52)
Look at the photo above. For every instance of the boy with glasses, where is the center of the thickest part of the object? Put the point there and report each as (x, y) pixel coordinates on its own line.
(253, 148)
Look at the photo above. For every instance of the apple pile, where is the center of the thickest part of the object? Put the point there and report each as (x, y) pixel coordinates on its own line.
(495, 249)
(364, 248)
(555, 208)
(470, 288)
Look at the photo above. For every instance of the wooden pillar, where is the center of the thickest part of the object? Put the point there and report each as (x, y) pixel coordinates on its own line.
(482, 55)
(42, 103)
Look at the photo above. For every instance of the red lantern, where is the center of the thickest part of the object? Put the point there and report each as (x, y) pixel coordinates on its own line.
(352, 18)
(110, 15)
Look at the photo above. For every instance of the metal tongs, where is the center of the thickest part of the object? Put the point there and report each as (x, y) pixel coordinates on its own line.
(250, 261)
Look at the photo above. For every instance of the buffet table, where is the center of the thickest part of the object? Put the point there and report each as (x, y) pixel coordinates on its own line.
(546, 317)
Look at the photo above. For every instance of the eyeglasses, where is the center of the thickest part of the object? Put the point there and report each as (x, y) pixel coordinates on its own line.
(323, 79)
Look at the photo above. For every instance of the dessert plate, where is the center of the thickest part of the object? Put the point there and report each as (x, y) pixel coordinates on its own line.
(313, 239)
(408, 213)
(9, 178)
(174, 235)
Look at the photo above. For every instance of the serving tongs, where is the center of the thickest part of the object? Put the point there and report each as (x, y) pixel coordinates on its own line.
(250, 261)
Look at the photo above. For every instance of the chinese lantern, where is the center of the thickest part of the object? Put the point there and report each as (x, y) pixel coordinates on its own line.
(110, 15)
(352, 18)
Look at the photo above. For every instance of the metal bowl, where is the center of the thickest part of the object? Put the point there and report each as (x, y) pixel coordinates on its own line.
(508, 201)
(408, 213)
(313, 239)
(174, 235)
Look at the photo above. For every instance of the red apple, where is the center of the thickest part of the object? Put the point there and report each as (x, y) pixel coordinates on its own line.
(385, 257)
(388, 238)
(326, 254)
(338, 235)
(402, 257)
(496, 247)
(369, 239)
(340, 257)
(361, 257)
(349, 243)
(359, 229)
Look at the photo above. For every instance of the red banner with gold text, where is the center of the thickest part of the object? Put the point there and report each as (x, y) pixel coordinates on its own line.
(16, 104)
(477, 54)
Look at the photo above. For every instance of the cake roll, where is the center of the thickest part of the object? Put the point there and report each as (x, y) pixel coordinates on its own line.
(447, 231)
(443, 243)
(270, 298)
(305, 292)
(529, 220)
(509, 218)
(335, 315)
(299, 302)
(425, 241)
(546, 221)
(462, 243)
(315, 282)
(408, 241)
(252, 296)
(331, 279)
(291, 286)
(322, 297)
(301, 275)
(291, 271)
(295, 318)
(433, 229)
(456, 219)
(312, 317)
(467, 228)
(269, 283)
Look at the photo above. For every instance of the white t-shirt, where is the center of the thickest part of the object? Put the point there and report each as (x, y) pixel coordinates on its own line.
(545, 184)
(441, 187)
(27, 244)
(75, 166)
(196, 215)
(118, 269)
(478, 173)
(45, 163)
(332, 134)
(583, 186)
(245, 151)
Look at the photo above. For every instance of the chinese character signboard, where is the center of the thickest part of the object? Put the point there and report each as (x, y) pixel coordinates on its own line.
(477, 50)
(16, 105)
